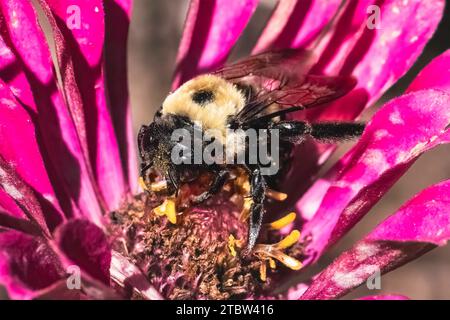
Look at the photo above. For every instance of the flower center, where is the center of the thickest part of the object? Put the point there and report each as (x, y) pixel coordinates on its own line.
(197, 253)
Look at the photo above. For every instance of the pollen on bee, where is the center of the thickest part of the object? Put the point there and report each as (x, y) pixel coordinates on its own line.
(142, 184)
(168, 209)
(158, 186)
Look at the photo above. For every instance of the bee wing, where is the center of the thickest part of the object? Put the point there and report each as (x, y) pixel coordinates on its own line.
(281, 77)
(288, 62)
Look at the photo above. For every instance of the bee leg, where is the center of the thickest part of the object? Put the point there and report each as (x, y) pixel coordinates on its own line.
(258, 188)
(292, 131)
(144, 168)
(173, 179)
(220, 178)
(295, 131)
(336, 130)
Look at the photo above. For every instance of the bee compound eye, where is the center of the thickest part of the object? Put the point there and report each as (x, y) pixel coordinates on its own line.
(151, 138)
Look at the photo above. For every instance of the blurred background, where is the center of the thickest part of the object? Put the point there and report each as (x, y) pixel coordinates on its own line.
(155, 32)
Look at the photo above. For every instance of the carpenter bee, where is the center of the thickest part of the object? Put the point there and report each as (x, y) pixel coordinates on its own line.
(258, 92)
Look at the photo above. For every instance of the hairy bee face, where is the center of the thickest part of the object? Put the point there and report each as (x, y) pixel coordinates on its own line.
(155, 143)
(208, 101)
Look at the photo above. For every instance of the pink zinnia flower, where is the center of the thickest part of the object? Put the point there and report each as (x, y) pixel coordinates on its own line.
(68, 170)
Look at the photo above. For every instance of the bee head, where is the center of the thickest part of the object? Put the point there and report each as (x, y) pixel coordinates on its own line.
(155, 144)
(146, 142)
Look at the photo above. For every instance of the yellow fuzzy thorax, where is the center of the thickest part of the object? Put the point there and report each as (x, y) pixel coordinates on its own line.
(228, 100)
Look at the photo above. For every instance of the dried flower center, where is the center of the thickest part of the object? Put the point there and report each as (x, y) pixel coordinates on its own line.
(196, 253)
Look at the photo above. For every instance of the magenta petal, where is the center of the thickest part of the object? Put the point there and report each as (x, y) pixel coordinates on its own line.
(425, 218)
(211, 29)
(29, 73)
(417, 227)
(390, 144)
(126, 274)
(296, 24)
(435, 75)
(9, 207)
(117, 20)
(19, 149)
(384, 297)
(10, 222)
(24, 197)
(59, 291)
(82, 243)
(27, 265)
(79, 47)
(379, 57)
(376, 57)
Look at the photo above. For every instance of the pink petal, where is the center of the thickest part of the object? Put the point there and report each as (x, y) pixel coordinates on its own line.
(379, 57)
(211, 29)
(23, 196)
(425, 218)
(82, 243)
(30, 77)
(384, 297)
(296, 24)
(19, 148)
(59, 291)
(11, 222)
(435, 75)
(376, 57)
(117, 20)
(419, 226)
(9, 206)
(23, 155)
(27, 265)
(79, 49)
(126, 274)
(390, 144)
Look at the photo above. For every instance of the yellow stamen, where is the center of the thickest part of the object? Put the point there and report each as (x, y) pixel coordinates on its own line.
(263, 271)
(272, 263)
(158, 186)
(288, 261)
(245, 213)
(232, 244)
(265, 251)
(242, 182)
(143, 184)
(246, 187)
(268, 251)
(289, 241)
(282, 222)
(167, 208)
(276, 195)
